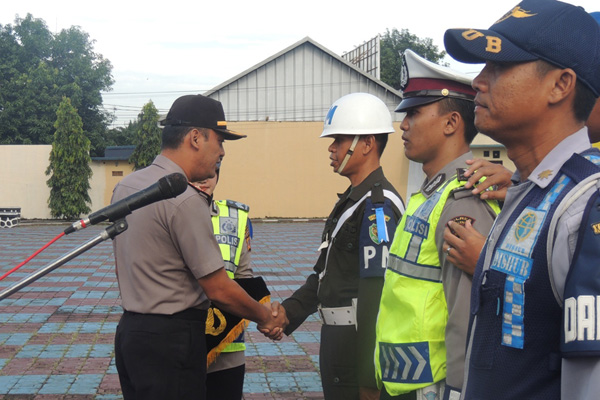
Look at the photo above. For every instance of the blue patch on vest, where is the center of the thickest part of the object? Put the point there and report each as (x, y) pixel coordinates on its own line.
(374, 252)
(405, 363)
(228, 240)
(512, 264)
(581, 332)
(513, 258)
(416, 226)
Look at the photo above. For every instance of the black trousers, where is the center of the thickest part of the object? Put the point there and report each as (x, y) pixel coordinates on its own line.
(406, 396)
(227, 384)
(338, 358)
(161, 357)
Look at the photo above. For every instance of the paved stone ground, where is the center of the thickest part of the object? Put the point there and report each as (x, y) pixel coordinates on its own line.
(56, 335)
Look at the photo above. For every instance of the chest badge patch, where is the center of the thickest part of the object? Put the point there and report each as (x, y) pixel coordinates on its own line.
(373, 232)
(525, 226)
(461, 220)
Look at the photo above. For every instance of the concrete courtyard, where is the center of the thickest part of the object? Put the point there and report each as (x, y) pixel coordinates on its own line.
(56, 335)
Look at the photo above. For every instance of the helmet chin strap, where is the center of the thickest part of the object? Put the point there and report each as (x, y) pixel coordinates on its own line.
(348, 154)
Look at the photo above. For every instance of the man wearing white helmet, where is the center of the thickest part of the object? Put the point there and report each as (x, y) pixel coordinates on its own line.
(422, 325)
(346, 285)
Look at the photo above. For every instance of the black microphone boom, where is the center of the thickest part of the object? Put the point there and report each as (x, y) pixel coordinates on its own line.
(167, 187)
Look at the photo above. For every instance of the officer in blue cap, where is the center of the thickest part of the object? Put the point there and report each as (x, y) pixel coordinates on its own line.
(534, 310)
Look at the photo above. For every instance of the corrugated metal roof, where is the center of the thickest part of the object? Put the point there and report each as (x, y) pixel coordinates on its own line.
(297, 84)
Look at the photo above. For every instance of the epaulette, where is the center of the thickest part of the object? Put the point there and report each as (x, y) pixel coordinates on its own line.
(238, 205)
(461, 192)
(377, 196)
(460, 174)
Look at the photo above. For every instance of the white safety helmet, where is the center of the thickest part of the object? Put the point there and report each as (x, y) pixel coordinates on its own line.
(358, 114)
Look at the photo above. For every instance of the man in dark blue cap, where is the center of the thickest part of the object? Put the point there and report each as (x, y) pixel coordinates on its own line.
(534, 331)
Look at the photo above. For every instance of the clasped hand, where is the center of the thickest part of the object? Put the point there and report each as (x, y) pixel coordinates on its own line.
(274, 327)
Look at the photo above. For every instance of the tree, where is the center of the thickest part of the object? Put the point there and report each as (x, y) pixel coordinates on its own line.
(82, 75)
(69, 165)
(148, 137)
(393, 45)
(37, 69)
(123, 136)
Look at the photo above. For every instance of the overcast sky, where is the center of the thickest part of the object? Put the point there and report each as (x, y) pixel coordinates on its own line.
(162, 50)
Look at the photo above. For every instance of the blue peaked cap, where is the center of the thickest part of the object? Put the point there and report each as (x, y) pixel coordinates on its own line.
(560, 33)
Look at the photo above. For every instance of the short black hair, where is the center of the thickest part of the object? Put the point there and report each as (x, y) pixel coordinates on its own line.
(172, 135)
(381, 140)
(584, 102)
(466, 109)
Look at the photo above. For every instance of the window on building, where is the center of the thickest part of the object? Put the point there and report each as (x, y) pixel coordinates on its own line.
(496, 154)
(486, 153)
(117, 173)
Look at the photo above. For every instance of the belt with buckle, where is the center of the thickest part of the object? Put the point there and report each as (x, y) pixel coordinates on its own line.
(343, 316)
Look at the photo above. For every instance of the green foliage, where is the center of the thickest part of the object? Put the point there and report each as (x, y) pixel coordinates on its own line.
(123, 136)
(394, 43)
(37, 69)
(148, 137)
(69, 165)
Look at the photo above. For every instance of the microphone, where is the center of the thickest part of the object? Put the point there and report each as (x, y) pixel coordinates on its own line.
(167, 187)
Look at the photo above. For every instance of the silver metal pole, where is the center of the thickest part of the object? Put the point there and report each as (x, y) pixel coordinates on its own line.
(109, 233)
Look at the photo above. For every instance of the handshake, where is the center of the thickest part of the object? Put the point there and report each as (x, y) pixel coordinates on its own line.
(275, 323)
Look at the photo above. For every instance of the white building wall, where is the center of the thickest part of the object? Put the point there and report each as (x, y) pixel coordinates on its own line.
(23, 180)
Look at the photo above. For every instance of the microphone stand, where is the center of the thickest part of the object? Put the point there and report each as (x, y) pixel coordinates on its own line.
(115, 229)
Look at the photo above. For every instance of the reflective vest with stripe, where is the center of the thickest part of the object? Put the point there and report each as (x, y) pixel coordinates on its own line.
(410, 352)
(229, 227)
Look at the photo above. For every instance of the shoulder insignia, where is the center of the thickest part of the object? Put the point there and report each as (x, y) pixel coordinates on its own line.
(460, 174)
(596, 228)
(434, 184)
(373, 217)
(461, 192)
(238, 205)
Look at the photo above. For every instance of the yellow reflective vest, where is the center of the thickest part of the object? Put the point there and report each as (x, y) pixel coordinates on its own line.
(229, 227)
(410, 351)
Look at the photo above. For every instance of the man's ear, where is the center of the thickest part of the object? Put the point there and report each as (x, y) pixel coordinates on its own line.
(452, 124)
(194, 137)
(369, 143)
(563, 85)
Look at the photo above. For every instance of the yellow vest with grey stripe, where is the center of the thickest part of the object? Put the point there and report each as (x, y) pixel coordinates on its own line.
(229, 227)
(410, 352)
